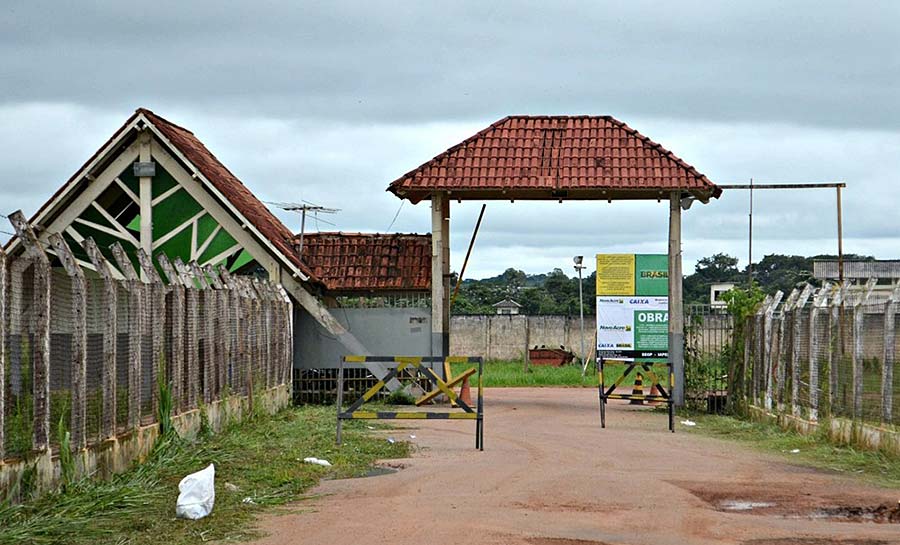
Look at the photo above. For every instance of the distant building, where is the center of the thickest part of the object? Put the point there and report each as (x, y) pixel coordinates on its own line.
(715, 293)
(507, 306)
(885, 272)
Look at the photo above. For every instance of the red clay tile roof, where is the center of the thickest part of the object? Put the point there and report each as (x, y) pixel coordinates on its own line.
(588, 157)
(365, 262)
(229, 186)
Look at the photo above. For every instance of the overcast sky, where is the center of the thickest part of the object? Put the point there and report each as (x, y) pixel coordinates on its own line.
(331, 101)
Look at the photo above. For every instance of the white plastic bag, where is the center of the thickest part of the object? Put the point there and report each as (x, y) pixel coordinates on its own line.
(197, 493)
(317, 461)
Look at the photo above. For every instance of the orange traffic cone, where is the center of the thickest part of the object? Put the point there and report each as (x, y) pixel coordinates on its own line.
(654, 391)
(638, 390)
(465, 395)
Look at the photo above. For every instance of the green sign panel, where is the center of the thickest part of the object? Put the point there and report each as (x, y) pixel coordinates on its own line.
(651, 274)
(651, 330)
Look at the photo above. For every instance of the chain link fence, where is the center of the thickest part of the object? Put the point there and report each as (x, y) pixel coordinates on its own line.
(84, 353)
(825, 352)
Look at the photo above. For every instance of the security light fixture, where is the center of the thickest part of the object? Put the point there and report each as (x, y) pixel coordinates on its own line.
(578, 259)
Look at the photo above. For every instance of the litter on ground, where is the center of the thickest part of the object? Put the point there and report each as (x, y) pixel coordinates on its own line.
(317, 461)
(197, 494)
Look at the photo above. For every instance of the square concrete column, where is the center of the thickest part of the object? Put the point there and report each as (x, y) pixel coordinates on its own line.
(676, 308)
(440, 274)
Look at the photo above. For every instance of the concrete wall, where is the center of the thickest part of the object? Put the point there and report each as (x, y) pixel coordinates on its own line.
(842, 431)
(496, 336)
(383, 331)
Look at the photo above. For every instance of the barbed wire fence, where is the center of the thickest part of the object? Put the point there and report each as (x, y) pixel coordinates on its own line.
(825, 352)
(85, 352)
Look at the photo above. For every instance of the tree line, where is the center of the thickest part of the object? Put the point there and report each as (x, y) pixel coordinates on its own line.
(557, 293)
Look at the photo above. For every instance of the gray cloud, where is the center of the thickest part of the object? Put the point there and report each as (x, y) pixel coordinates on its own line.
(815, 63)
(331, 101)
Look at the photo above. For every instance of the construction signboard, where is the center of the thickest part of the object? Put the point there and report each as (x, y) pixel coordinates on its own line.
(632, 306)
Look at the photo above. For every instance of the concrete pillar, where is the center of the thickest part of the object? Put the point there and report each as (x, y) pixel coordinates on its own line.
(676, 309)
(440, 274)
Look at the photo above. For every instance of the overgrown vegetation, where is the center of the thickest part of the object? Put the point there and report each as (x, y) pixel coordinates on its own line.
(742, 304)
(262, 458)
(814, 450)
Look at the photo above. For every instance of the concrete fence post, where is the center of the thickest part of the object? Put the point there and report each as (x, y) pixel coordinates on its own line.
(759, 351)
(887, 370)
(769, 345)
(41, 346)
(191, 335)
(176, 328)
(155, 297)
(110, 325)
(786, 309)
(797, 346)
(3, 327)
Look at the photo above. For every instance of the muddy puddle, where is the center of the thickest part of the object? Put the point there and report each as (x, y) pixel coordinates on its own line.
(787, 501)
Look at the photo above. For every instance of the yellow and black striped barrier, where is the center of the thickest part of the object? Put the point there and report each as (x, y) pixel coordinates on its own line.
(440, 386)
(637, 396)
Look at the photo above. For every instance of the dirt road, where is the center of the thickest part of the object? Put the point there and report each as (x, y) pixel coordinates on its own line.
(550, 476)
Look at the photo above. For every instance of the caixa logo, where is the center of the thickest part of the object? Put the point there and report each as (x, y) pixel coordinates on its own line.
(639, 301)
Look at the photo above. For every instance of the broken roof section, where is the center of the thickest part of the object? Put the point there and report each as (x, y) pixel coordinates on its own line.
(369, 262)
(228, 185)
(555, 157)
(103, 199)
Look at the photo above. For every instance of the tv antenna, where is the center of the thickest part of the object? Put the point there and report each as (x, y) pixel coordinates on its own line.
(302, 208)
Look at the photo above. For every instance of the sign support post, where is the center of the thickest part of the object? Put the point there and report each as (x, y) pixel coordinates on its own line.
(634, 329)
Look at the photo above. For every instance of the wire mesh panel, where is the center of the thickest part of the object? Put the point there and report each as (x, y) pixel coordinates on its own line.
(800, 394)
(842, 360)
(123, 355)
(82, 350)
(148, 309)
(871, 360)
(191, 373)
(819, 350)
(96, 329)
(19, 409)
(895, 378)
(61, 354)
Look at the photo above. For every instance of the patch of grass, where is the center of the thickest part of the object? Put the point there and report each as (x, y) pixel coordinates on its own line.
(815, 450)
(262, 457)
(511, 373)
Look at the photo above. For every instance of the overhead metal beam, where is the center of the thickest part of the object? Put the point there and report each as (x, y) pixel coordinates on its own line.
(829, 185)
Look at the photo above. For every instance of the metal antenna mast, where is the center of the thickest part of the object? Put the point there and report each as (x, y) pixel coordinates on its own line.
(302, 208)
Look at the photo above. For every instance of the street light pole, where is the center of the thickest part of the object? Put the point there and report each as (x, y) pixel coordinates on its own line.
(578, 267)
